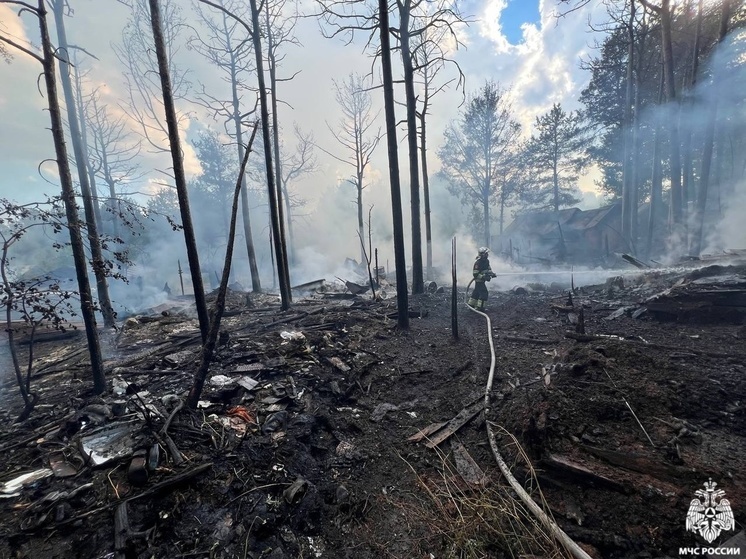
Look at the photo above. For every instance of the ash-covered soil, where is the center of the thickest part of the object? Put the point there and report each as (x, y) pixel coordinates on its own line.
(300, 447)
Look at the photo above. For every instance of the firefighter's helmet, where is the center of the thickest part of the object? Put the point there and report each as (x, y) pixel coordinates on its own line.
(483, 251)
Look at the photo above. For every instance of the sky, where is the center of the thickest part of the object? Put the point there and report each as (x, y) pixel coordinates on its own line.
(519, 43)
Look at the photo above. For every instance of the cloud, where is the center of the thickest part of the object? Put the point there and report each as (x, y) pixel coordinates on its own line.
(542, 69)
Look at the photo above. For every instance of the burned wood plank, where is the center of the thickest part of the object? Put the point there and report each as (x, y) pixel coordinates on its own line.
(580, 471)
(426, 431)
(640, 464)
(463, 417)
(466, 466)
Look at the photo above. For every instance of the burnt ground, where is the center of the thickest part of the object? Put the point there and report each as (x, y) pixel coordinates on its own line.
(313, 459)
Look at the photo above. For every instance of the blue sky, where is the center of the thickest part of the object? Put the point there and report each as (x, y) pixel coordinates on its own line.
(515, 14)
(517, 43)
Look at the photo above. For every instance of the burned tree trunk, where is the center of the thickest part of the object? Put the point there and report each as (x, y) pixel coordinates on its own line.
(283, 201)
(402, 297)
(656, 185)
(628, 161)
(687, 184)
(208, 347)
(673, 131)
(99, 268)
(71, 207)
(426, 195)
(418, 285)
(179, 175)
(709, 141)
(86, 156)
(256, 285)
(277, 230)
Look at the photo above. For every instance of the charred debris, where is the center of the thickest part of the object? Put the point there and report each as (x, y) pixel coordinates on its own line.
(318, 423)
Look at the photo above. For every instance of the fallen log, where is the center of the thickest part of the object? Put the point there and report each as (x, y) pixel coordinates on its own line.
(591, 338)
(641, 464)
(635, 262)
(565, 465)
(528, 340)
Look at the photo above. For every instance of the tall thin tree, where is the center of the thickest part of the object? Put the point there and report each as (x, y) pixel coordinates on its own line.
(272, 187)
(402, 297)
(709, 140)
(431, 59)
(97, 258)
(231, 55)
(358, 136)
(179, 174)
(47, 59)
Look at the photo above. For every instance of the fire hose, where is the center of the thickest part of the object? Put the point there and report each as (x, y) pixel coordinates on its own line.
(548, 522)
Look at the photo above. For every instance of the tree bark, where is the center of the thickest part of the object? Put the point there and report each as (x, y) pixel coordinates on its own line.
(291, 235)
(272, 63)
(426, 194)
(360, 221)
(673, 132)
(256, 284)
(179, 174)
(277, 230)
(402, 297)
(709, 141)
(418, 284)
(99, 269)
(656, 184)
(208, 348)
(71, 207)
(86, 157)
(687, 184)
(627, 128)
(486, 217)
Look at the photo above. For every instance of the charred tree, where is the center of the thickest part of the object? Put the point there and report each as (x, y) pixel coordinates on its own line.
(627, 182)
(405, 14)
(144, 104)
(276, 35)
(112, 155)
(99, 267)
(676, 210)
(179, 174)
(430, 60)
(356, 135)
(208, 348)
(254, 31)
(232, 57)
(293, 166)
(656, 185)
(68, 191)
(709, 141)
(402, 297)
(687, 183)
(277, 229)
(89, 164)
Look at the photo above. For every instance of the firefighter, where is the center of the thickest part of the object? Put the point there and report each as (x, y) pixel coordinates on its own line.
(482, 273)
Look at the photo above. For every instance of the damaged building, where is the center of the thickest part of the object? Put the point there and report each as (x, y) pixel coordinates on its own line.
(571, 236)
